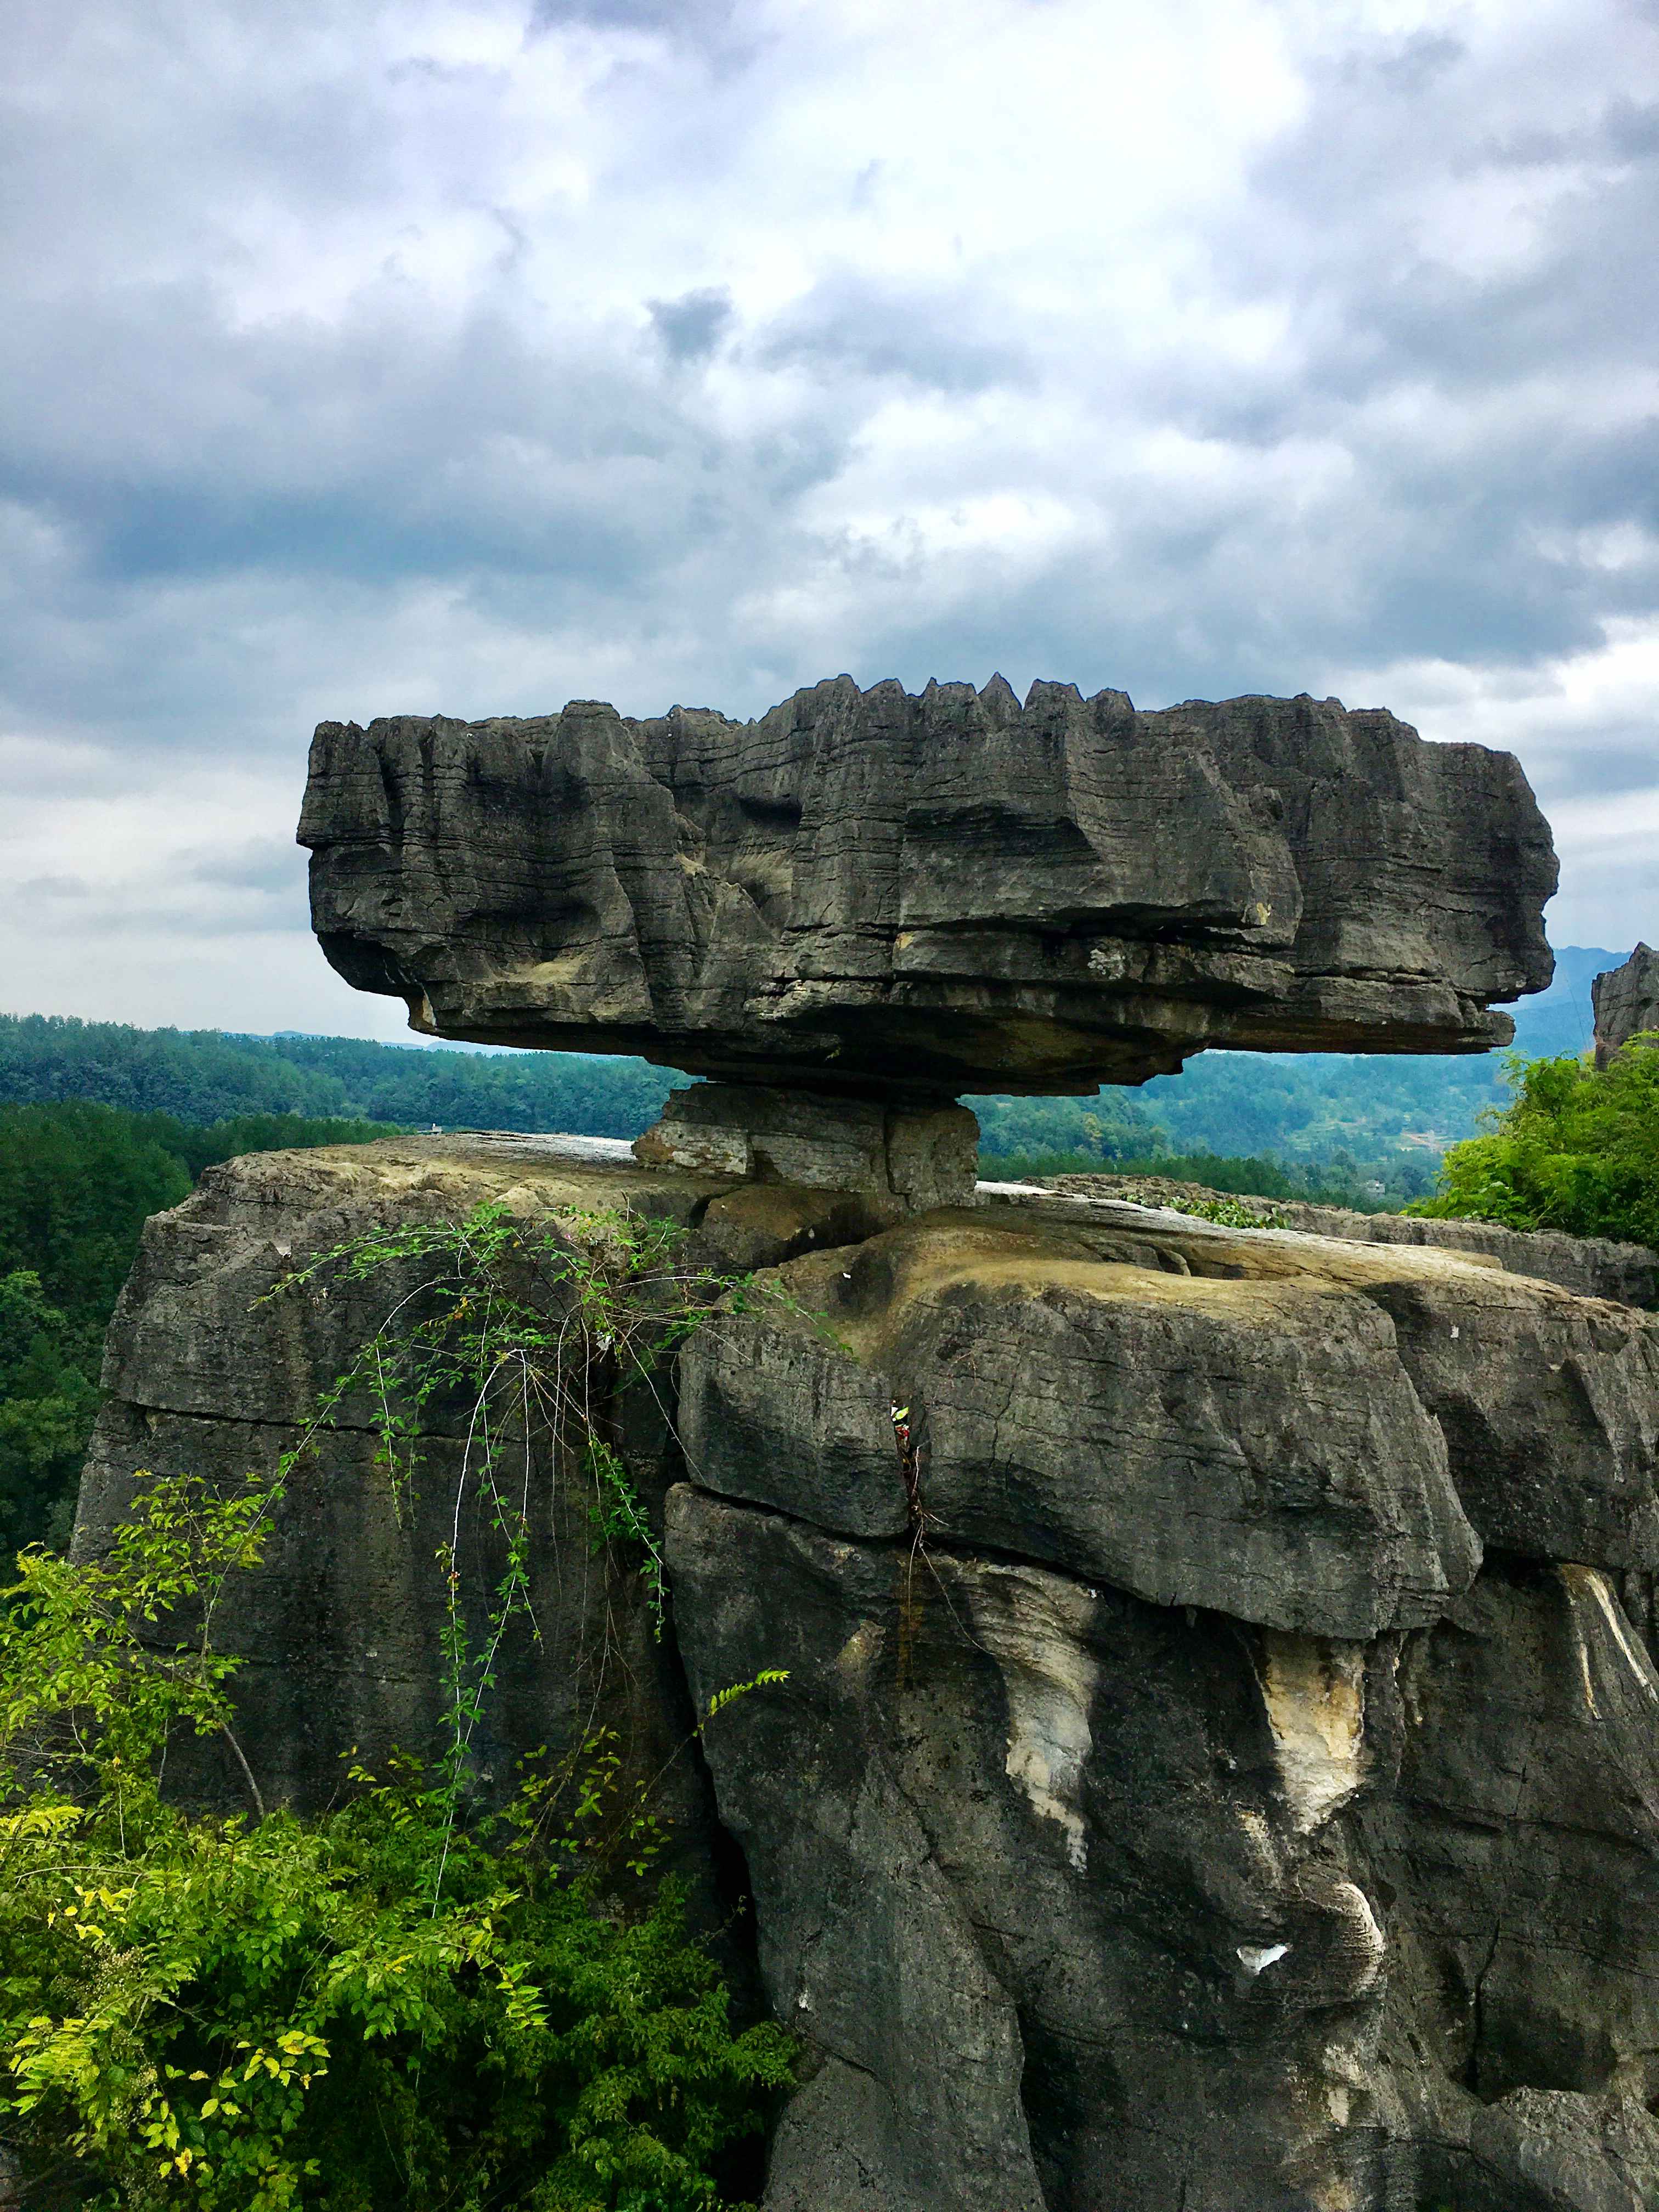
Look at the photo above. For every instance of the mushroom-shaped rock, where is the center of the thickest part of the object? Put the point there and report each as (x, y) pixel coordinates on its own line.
(877, 894)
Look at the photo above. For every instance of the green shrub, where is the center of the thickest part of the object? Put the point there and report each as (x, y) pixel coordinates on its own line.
(409, 1999)
(1576, 1149)
(303, 2013)
(77, 1183)
(1226, 1212)
(48, 1402)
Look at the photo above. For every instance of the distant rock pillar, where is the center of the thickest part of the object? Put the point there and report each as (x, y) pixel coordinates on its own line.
(913, 1156)
(1626, 1002)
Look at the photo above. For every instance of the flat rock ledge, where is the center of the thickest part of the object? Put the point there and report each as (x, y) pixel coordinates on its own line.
(1218, 1764)
(1595, 1267)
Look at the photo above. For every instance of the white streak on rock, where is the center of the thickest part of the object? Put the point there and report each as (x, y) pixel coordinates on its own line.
(1315, 1695)
(1256, 1958)
(1038, 1638)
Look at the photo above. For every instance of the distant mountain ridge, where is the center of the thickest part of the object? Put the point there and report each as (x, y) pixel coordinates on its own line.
(1562, 1018)
(206, 1075)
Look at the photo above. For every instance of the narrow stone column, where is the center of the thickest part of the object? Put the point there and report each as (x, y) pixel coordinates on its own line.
(917, 1156)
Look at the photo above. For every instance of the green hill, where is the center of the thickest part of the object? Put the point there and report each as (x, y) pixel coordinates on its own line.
(1339, 1121)
(1343, 1119)
(204, 1075)
(78, 1180)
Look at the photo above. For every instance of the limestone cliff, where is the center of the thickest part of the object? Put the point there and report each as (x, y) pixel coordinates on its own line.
(1219, 1763)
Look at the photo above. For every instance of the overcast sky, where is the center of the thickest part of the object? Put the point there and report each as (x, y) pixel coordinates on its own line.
(471, 355)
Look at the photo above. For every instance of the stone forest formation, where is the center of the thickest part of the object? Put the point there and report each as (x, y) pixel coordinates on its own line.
(1219, 1765)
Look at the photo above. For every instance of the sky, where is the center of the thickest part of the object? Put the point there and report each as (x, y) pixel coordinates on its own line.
(472, 356)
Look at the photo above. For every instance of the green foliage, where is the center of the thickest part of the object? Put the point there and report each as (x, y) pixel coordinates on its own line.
(1576, 1149)
(203, 1076)
(409, 1999)
(202, 2013)
(48, 1402)
(528, 1337)
(729, 1696)
(77, 1183)
(1224, 1211)
(534, 1331)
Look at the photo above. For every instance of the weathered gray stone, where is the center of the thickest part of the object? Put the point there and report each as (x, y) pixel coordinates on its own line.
(1046, 1863)
(1166, 1806)
(912, 1157)
(1595, 1266)
(1626, 1002)
(341, 1634)
(868, 892)
(1541, 2150)
(1256, 1449)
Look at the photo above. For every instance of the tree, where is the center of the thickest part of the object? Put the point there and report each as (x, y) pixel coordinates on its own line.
(1576, 1149)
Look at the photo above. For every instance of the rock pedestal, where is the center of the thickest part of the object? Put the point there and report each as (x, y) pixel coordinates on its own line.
(1626, 1001)
(908, 1156)
(1216, 1763)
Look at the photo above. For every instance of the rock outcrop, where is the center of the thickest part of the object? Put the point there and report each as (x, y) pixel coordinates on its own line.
(871, 893)
(1211, 1762)
(1219, 1766)
(1595, 1267)
(1626, 1001)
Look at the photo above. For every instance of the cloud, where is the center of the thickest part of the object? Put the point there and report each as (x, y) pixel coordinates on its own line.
(472, 356)
(691, 327)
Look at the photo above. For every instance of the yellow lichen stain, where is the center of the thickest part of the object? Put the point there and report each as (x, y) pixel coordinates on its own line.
(564, 968)
(1313, 1690)
(861, 1650)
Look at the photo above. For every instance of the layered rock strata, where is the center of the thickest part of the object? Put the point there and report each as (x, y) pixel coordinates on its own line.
(1626, 1002)
(1219, 1766)
(872, 893)
(906, 1157)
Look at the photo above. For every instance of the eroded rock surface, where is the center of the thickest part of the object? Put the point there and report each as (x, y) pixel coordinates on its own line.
(1595, 1267)
(1219, 1766)
(1626, 1001)
(872, 891)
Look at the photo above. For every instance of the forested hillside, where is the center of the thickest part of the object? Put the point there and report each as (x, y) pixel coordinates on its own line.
(1331, 1120)
(77, 1183)
(1389, 1115)
(204, 1075)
